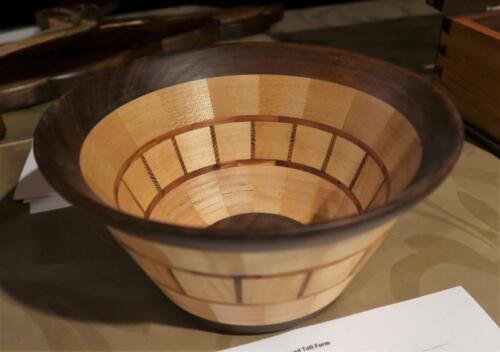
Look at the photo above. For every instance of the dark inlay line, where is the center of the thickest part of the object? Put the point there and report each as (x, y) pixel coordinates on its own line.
(151, 174)
(304, 284)
(358, 171)
(328, 153)
(171, 272)
(179, 156)
(292, 142)
(375, 195)
(252, 139)
(238, 290)
(251, 119)
(229, 276)
(205, 300)
(236, 163)
(214, 144)
(133, 197)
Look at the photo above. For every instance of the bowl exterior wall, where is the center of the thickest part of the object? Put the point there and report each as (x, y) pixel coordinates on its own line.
(253, 288)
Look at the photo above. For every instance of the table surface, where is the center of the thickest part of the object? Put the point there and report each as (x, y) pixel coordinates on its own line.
(66, 285)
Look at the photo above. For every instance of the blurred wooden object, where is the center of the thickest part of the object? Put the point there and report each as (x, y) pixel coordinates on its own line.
(233, 22)
(2, 127)
(468, 68)
(71, 13)
(86, 45)
(455, 7)
(45, 75)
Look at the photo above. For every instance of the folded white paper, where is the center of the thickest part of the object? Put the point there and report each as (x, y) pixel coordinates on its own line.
(449, 320)
(32, 188)
(18, 34)
(40, 205)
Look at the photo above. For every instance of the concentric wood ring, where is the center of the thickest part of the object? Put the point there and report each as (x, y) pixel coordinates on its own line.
(346, 188)
(319, 132)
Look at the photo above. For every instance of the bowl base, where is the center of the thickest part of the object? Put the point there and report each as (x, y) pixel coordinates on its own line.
(255, 221)
(254, 329)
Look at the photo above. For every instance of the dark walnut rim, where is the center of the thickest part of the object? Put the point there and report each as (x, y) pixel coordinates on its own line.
(63, 127)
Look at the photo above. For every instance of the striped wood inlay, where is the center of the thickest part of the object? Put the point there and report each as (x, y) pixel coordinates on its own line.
(295, 122)
(240, 301)
(151, 174)
(250, 276)
(179, 155)
(236, 163)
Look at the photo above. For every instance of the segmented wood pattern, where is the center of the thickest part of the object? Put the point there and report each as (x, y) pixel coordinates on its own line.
(211, 284)
(203, 151)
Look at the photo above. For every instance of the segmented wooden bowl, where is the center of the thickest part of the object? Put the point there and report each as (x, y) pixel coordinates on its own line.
(251, 182)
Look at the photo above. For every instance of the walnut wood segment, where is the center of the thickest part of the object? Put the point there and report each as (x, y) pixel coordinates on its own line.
(469, 70)
(336, 143)
(255, 221)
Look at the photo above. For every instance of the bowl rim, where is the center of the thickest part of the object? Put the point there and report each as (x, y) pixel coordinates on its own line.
(267, 239)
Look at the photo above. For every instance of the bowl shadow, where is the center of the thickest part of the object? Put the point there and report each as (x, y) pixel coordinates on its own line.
(66, 263)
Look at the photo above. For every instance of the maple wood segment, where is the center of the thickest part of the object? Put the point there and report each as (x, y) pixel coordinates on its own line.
(253, 288)
(185, 150)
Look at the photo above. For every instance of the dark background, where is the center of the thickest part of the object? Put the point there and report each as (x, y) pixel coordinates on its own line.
(21, 13)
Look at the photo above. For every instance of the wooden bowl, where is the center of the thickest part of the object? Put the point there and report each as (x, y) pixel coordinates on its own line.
(251, 182)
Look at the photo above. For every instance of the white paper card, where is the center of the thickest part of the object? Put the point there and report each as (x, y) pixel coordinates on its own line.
(31, 183)
(40, 205)
(18, 34)
(32, 188)
(449, 320)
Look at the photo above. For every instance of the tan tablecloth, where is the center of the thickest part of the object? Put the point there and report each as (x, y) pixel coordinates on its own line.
(65, 284)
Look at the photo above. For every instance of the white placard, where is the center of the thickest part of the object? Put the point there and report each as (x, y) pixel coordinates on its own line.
(449, 320)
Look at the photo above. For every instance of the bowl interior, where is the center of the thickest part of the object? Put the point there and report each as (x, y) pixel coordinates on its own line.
(199, 152)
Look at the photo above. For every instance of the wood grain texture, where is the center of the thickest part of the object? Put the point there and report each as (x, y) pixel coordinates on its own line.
(343, 147)
(468, 69)
(212, 159)
(88, 44)
(302, 141)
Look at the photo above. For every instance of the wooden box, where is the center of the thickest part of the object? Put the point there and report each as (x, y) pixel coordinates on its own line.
(468, 68)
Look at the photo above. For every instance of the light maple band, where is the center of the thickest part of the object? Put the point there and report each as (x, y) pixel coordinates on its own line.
(321, 172)
(215, 286)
